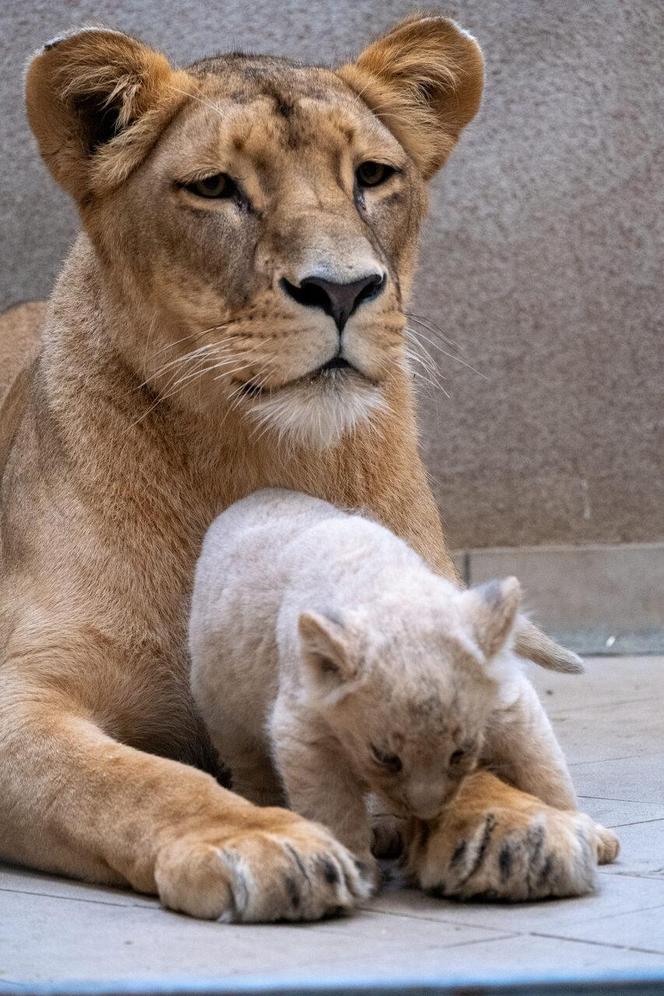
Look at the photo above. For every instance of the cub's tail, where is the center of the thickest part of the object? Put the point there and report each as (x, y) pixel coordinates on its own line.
(532, 643)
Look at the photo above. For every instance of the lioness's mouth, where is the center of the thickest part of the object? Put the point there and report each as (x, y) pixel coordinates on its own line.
(336, 363)
(335, 369)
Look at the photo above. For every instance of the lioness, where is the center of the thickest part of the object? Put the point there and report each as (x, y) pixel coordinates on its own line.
(232, 317)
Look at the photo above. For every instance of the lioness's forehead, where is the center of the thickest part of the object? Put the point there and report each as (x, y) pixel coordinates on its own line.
(285, 97)
(245, 77)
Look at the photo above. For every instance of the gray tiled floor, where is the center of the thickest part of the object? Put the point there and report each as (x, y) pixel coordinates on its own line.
(611, 723)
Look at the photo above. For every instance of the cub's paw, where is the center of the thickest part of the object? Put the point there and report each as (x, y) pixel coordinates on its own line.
(498, 843)
(295, 870)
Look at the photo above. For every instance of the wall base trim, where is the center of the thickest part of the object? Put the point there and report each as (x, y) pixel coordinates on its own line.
(594, 599)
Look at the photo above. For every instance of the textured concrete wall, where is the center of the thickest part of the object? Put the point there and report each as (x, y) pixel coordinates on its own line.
(543, 258)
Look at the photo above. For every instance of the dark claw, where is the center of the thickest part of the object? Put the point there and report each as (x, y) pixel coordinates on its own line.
(505, 862)
(545, 872)
(459, 852)
(329, 871)
(362, 867)
(293, 892)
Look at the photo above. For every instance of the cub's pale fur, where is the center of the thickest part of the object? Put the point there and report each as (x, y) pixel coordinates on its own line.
(330, 661)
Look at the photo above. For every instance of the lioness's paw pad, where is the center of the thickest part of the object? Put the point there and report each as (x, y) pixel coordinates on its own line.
(261, 877)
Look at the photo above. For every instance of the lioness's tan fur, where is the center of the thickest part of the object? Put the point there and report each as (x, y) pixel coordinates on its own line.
(175, 375)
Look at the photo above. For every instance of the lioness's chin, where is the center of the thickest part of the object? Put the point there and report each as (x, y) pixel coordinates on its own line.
(318, 413)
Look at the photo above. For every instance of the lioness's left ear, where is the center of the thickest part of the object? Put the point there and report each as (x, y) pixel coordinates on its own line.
(424, 81)
(97, 101)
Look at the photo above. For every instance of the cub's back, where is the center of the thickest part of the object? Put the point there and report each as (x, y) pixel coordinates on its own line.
(238, 588)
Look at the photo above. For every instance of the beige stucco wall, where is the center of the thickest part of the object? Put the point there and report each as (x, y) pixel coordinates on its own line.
(543, 258)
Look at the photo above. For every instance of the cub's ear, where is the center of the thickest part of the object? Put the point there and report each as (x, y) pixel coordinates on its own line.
(491, 609)
(328, 653)
(424, 81)
(97, 101)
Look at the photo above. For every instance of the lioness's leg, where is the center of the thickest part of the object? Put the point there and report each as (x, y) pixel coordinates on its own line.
(76, 801)
(496, 841)
(521, 747)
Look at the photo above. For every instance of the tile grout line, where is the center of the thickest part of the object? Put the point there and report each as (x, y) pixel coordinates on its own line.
(77, 899)
(636, 823)
(597, 944)
(633, 802)
(434, 919)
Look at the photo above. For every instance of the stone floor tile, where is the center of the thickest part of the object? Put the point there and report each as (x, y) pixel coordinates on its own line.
(595, 734)
(616, 894)
(14, 879)
(44, 938)
(492, 961)
(641, 851)
(382, 923)
(643, 930)
(617, 813)
(631, 779)
(607, 681)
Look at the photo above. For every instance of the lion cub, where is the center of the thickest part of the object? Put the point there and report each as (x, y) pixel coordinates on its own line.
(329, 662)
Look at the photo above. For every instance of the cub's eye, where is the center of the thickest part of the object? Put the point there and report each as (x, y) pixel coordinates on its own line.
(372, 174)
(216, 186)
(457, 756)
(390, 762)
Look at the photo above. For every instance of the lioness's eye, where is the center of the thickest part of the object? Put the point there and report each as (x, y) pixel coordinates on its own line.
(371, 174)
(389, 761)
(218, 185)
(457, 756)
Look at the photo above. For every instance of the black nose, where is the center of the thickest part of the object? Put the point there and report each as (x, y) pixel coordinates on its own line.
(337, 300)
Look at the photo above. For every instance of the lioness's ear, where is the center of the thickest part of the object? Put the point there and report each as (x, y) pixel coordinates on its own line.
(97, 102)
(424, 81)
(491, 609)
(328, 653)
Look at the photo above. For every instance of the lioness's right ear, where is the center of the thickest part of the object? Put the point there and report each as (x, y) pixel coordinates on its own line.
(97, 101)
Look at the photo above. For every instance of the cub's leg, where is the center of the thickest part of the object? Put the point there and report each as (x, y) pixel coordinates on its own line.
(521, 747)
(253, 773)
(320, 785)
(76, 801)
(495, 841)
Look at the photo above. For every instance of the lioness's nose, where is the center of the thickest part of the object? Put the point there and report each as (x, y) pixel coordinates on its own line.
(337, 300)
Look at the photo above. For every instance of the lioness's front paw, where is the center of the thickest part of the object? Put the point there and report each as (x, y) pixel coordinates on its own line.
(295, 870)
(504, 844)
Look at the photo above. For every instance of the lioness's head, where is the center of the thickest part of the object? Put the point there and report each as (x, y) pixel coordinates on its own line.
(257, 219)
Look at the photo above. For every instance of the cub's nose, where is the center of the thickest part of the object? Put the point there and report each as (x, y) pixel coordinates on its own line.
(337, 300)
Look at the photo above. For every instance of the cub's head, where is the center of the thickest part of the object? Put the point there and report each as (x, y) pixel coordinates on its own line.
(409, 693)
(256, 220)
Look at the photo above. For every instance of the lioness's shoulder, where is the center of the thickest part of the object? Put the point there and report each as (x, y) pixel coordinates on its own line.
(19, 340)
